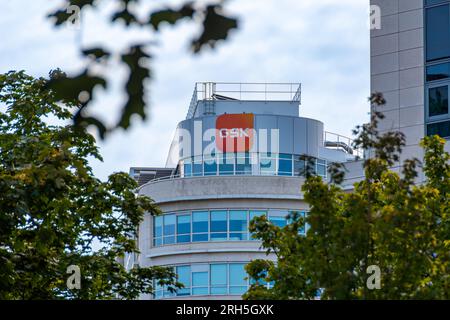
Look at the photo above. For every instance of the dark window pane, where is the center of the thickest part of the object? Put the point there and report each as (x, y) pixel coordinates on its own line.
(183, 224)
(238, 220)
(200, 237)
(197, 166)
(184, 238)
(438, 101)
(226, 164)
(441, 129)
(438, 71)
(210, 166)
(200, 221)
(169, 240)
(219, 221)
(285, 165)
(432, 2)
(438, 32)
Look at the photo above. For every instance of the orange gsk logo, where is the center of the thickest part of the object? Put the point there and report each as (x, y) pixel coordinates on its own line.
(234, 132)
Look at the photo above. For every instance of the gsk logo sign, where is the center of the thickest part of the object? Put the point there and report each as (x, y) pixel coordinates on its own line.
(234, 132)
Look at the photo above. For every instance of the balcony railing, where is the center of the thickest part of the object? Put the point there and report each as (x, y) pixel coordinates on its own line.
(232, 91)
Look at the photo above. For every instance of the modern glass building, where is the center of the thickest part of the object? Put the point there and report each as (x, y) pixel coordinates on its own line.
(242, 152)
(410, 61)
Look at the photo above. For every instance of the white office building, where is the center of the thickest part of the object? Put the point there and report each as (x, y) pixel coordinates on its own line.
(213, 185)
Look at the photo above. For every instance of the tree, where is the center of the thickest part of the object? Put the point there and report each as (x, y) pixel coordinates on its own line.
(215, 26)
(53, 209)
(387, 222)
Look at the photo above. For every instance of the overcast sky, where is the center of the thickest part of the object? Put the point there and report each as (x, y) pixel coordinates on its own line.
(324, 44)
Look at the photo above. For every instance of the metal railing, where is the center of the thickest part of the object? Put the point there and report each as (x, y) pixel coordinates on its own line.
(250, 91)
(340, 142)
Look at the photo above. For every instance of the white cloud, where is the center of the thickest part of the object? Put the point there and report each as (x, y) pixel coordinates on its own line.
(322, 43)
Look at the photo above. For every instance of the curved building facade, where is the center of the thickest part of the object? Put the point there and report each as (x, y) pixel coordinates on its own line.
(242, 152)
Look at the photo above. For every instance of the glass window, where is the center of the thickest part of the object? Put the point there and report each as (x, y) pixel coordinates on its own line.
(210, 165)
(238, 283)
(299, 166)
(267, 164)
(432, 2)
(188, 168)
(254, 214)
(184, 276)
(219, 225)
(183, 228)
(226, 163)
(438, 32)
(438, 101)
(157, 230)
(169, 228)
(243, 164)
(278, 218)
(199, 283)
(438, 71)
(218, 279)
(321, 168)
(200, 226)
(285, 165)
(238, 225)
(197, 167)
(441, 129)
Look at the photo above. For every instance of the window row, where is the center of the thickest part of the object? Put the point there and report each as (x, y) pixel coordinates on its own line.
(212, 225)
(437, 21)
(208, 279)
(252, 164)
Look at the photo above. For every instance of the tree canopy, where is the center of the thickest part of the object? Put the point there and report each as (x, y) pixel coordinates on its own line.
(53, 209)
(214, 24)
(388, 221)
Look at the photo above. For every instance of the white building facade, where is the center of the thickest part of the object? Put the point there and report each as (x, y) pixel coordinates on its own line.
(410, 65)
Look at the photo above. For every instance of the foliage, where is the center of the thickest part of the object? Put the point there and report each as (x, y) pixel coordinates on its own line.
(214, 24)
(388, 220)
(53, 209)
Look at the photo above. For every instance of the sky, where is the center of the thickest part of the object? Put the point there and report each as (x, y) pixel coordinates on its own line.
(324, 44)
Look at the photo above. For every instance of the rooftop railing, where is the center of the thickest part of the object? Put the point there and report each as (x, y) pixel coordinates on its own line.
(232, 91)
(340, 142)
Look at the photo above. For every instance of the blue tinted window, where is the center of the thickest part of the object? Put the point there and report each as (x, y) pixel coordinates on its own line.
(267, 164)
(238, 284)
(184, 276)
(200, 226)
(157, 230)
(432, 2)
(299, 166)
(183, 228)
(226, 164)
(238, 220)
(219, 221)
(200, 221)
(169, 224)
(210, 166)
(243, 164)
(218, 279)
(438, 32)
(278, 218)
(438, 71)
(438, 101)
(187, 168)
(441, 129)
(285, 165)
(197, 167)
(183, 224)
(321, 168)
(200, 283)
